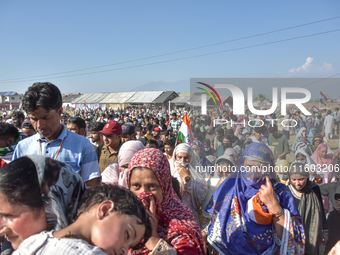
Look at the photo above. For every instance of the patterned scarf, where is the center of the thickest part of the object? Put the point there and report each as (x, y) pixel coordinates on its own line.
(177, 224)
(233, 228)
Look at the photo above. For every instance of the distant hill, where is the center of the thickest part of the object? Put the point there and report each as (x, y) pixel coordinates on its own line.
(178, 86)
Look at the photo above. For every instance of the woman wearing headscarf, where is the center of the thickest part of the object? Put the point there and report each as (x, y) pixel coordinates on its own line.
(311, 134)
(116, 173)
(42, 193)
(325, 162)
(309, 124)
(238, 132)
(298, 135)
(246, 143)
(315, 173)
(226, 143)
(302, 142)
(252, 213)
(332, 190)
(199, 148)
(317, 139)
(224, 167)
(185, 167)
(307, 196)
(232, 153)
(177, 230)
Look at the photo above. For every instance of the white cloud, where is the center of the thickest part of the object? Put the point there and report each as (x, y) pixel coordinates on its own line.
(326, 67)
(305, 67)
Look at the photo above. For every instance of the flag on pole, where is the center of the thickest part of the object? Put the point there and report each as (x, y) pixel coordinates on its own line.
(20, 105)
(315, 109)
(323, 98)
(184, 134)
(10, 106)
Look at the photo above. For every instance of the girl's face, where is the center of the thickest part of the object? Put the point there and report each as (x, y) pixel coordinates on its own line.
(197, 149)
(19, 222)
(316, 143)
(298, 181)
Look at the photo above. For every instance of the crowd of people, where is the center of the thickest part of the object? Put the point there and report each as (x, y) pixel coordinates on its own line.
(118, 181)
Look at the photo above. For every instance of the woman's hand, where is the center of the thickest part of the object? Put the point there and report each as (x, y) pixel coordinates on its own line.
(153, 240)
(183, 171)
(268, 196)
(324, 238)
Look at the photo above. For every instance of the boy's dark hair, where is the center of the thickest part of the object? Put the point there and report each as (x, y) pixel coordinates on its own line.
(18, 115)
(8, 131)
(165, 132)
(96, 126)
(149, 127)
(42, 94)
(273, 128)
(152, 142)
(77, 121)
(126, 203)
(258, 130)
(171, 142)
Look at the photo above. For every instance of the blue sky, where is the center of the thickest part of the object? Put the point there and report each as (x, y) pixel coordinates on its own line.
(46, 37)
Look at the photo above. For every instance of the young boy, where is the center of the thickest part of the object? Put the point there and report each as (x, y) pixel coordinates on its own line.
(110, 220)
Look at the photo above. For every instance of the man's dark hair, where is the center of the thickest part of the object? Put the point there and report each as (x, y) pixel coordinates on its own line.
(96, 126)
(42, 94)
(228, 137)
(165, 132)
(63, 117)
(273, 128)
(143, 140)
(152, 142)
(8, 131)
(18, 115)
(149, 127)
(77, 121)
(171, 142)
(126, 203)
(258, 130)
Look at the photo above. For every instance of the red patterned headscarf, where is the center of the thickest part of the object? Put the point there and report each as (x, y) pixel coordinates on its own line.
(177, 224)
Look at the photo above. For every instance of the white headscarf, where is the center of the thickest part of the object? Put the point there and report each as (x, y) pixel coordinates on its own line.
(312, 166)
(194, 161)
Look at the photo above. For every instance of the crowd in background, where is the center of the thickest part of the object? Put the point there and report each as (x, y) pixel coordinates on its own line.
(232, 189)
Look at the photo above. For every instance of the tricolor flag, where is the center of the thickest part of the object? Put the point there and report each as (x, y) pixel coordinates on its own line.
(10, 106)
(184, 134)
(323, 98)
(315, 109)
(20, 105)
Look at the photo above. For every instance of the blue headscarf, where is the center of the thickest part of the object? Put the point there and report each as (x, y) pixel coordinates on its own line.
(232, 231)
(312, 132)
(203, 160)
